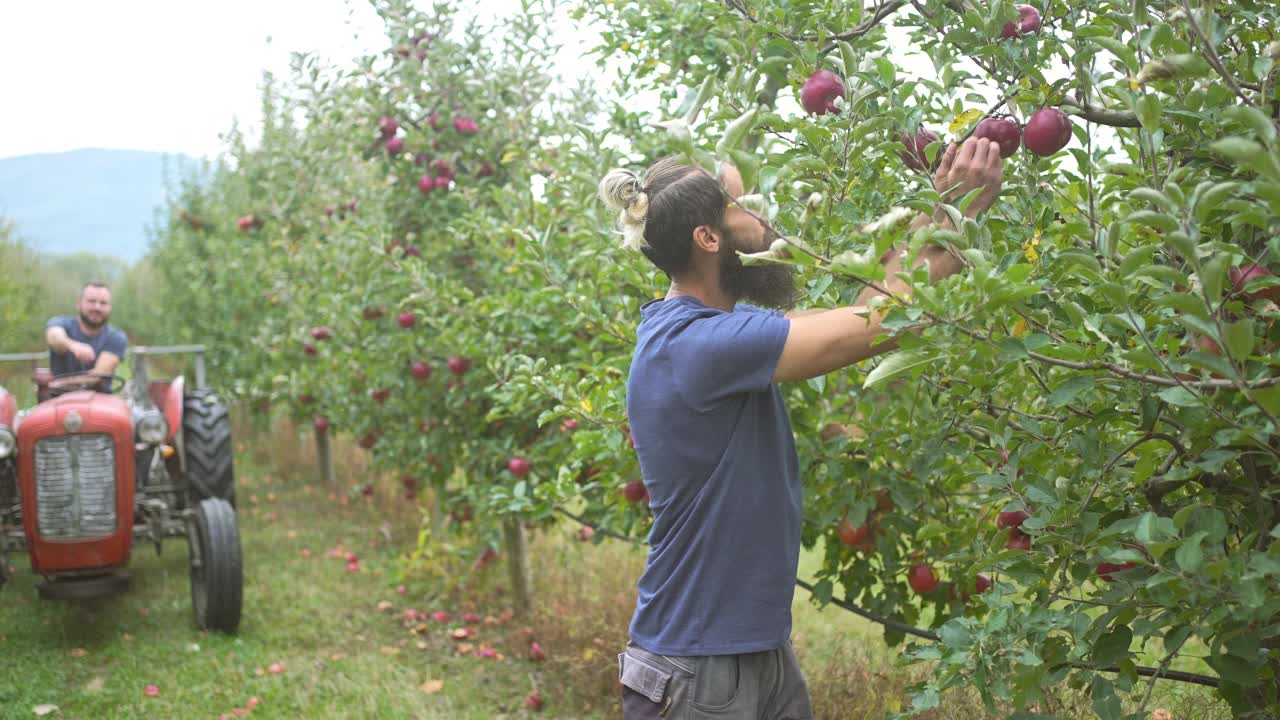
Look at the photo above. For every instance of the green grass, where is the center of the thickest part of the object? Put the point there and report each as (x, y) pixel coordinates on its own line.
(309, 614)
(345, 658)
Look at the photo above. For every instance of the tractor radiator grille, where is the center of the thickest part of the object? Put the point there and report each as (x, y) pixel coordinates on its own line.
(76, 486)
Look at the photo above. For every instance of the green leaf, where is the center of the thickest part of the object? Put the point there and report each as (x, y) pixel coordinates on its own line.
(1213, 276)
(1189, 555)
(737, 132)
(1120, 50)
(1148, 110)
(1239, 337)
(896, 364)
(1155, 197)
(1113, 646)
(1234, 669)
(1255, 119)
(1179, 396)
(1067, 391)
(1238, 149)
(1163, 222)
(699, 99)
(1212, 198)
(888, 73)
(1135, 259)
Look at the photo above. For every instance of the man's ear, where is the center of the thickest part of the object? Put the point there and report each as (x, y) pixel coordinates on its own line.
(706, 239)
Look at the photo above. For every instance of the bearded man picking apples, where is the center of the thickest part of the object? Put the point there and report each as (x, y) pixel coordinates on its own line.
(712, 626)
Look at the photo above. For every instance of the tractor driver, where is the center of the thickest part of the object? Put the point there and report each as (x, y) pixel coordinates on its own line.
(87, 342)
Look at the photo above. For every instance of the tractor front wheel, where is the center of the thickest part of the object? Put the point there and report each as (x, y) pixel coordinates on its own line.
(206, 447)
(217, 577)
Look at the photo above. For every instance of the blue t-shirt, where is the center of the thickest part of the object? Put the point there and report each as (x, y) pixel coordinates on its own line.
(719, 461)
(110, 339)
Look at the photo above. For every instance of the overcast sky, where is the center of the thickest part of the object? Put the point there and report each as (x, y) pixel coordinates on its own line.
(164, 75)
(170, 75)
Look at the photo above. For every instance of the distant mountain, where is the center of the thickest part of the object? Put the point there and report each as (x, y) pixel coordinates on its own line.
(92, 200)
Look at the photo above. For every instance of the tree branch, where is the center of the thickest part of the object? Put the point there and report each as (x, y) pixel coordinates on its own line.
(1101, 115)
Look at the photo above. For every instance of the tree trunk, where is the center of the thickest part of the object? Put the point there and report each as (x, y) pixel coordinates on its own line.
(324, 454)
(518, 565)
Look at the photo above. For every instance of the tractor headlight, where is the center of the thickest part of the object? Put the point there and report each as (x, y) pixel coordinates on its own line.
(8, 445)
(152, 428)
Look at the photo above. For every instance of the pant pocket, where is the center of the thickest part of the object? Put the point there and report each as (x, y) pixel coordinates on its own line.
(716, 683)
(648, 679)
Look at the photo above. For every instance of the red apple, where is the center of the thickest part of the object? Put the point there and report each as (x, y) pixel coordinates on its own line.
(915, 156)
(434, 120)
(388, 126)
(518, 466)
(569, 425)
(353, 567)
(536, 653)
(458, 365)
(982, 583)
(407, 319)
(426, 184)
(486, 558)
(884, 502)
(1047, 132)
(322, 423)
(309, 349)
(246, 223)
(394, 146)
(1105, 569)
(534, 701)
(380, 394)
(585, 533)
(635, 491)
(1003, 132)
(1011, 519)
(853, 536)
(373, 312)
(421, 371)
(921, 579)
(412, 251)
(486, 170)
(466, 126)
(444, 169)
(321, 333)
(1240, 276)
(369, 439)
(1208, 345)
(440, 616)
(1018, 540)
(1028, 22)
(819, 92)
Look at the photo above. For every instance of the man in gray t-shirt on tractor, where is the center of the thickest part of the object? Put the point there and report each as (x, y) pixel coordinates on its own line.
(711, 631)
(86, 343)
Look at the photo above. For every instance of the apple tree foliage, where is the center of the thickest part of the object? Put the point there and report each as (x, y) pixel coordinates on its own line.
(1102, 363)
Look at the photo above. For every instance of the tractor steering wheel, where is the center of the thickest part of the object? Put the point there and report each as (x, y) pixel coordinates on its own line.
(72, 382)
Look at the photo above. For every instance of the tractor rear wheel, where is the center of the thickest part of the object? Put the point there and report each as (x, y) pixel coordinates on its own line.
(217, 576)
(206, 447)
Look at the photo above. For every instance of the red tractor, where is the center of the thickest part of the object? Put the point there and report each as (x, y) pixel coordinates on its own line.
(89, 471)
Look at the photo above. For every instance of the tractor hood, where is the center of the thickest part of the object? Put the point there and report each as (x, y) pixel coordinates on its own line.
(93, 411)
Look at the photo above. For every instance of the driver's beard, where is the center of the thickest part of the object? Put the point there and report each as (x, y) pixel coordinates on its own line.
(93, 324)
(768, 284)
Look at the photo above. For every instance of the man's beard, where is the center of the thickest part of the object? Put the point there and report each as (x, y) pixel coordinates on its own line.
(93, 324)
(768, 284)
